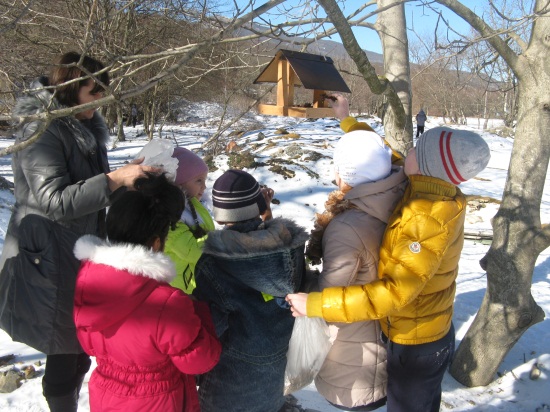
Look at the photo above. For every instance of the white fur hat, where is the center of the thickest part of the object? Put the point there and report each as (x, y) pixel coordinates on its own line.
(362, 156)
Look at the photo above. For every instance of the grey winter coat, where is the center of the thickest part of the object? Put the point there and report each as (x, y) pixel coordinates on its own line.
(61, 176)
(354, 371)
(421, 118)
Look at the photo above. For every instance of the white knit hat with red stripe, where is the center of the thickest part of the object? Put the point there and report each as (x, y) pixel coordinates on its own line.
(452, 155)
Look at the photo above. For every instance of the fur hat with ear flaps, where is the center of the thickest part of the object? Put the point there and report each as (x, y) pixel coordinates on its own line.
(451, 155)
(237, 197)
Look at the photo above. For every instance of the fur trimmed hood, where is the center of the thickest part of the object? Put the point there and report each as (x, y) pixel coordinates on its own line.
(269, 259)
(114, 280)
(273, 236)
(87, 134)
(134, 259)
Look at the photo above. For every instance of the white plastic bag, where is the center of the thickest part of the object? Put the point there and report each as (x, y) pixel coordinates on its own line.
(158, 153)
(307, 350)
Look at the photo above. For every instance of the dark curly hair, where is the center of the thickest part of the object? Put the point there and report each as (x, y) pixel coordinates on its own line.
(148, 213)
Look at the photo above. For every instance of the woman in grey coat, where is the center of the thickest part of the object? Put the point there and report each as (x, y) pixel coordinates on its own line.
(62, 187)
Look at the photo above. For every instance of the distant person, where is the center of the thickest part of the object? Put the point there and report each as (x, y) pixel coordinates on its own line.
(420, 122)
(348, 235)
(62, 184)
(149, 338)
(414, 294)
(184, 244)
(245, 271)
(134, 115)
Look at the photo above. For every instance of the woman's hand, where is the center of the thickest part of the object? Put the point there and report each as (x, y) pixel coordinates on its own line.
(127, 174)
(298, 304)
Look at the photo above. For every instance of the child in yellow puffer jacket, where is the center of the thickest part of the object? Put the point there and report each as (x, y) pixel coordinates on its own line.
(414, 294)
(184, 244)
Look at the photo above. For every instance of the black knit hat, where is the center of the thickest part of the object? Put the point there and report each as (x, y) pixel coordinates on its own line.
(236, 197)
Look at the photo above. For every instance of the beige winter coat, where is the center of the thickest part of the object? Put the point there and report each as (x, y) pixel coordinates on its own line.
(354, 372)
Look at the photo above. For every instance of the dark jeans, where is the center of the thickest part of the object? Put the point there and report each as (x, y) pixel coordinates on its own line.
(415, 373)
(419, 130)
(64, 373)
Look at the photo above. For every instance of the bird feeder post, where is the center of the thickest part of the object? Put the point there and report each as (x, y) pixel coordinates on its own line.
(285, 85)
(319, 99)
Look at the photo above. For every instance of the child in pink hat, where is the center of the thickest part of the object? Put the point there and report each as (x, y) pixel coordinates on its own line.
(184, 244)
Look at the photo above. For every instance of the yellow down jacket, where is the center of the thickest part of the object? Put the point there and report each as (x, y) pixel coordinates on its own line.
(413, 296)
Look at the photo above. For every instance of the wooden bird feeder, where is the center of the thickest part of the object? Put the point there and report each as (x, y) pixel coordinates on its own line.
(313, 72)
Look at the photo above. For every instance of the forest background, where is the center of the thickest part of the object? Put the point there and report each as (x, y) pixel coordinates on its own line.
(142, 39)
(162, 54)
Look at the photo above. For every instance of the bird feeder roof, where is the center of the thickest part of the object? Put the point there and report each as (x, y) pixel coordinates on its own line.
(312, 71)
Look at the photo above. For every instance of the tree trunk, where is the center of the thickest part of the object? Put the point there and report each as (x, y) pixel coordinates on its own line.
(148, 124)
(508, 308)
(485, 112)
(399, 123)
(392, 30)
(121, 137)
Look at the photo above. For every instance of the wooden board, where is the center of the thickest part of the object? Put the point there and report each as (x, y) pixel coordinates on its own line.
(293, 111)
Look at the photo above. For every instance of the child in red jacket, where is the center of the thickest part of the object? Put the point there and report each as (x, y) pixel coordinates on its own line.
(148, 337)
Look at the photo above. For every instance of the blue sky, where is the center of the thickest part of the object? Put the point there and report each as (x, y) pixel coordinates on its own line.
(419, 18)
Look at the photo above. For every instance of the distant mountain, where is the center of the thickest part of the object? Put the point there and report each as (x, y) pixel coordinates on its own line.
(336, 50)
(329, 48)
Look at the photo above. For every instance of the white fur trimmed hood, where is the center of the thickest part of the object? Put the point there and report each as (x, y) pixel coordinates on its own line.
(135, 259)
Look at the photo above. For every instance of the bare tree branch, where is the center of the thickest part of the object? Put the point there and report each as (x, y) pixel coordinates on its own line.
(491, 35)
(377, 85)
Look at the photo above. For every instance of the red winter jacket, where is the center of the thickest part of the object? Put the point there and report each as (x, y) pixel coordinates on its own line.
(149, 338)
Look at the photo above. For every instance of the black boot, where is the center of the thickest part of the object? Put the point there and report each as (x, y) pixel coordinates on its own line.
(64, 403)
(60, 388)
(57, 397)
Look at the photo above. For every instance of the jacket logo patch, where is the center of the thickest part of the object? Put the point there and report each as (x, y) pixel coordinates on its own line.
(415, 247)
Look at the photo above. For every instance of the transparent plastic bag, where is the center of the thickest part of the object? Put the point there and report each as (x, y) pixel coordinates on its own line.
(307, 350)
(158, 153)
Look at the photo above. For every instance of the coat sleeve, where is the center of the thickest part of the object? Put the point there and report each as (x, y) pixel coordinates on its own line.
(350, 124)
(185, 251)
(46, 170)
(185, 337)
(209, 292)
(403, 272)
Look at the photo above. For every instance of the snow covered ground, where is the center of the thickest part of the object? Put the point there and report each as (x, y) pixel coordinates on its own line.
(303, 195)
